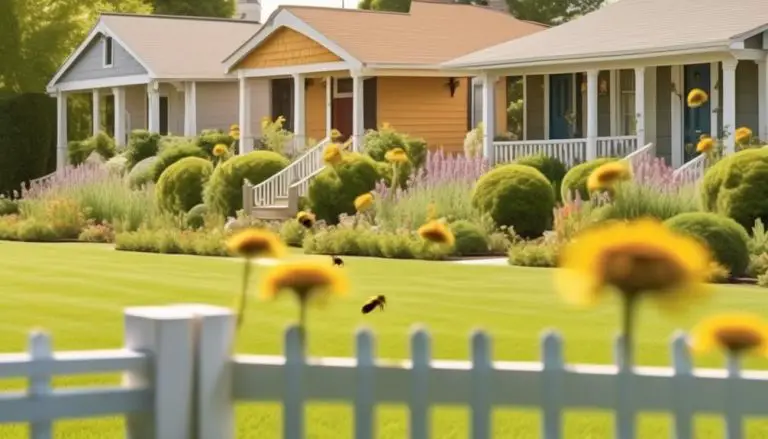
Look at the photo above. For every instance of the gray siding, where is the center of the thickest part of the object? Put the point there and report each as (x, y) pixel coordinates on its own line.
(535, 120)
(664, 113)
(747, 105)
(755, 42)
(89, 65)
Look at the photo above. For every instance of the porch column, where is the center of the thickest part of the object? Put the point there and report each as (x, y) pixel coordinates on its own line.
(592, 114)
(613, 86)
(676, 114)
(61, 130)
(190, 109)
(714, 100)
(328, 106)
(489, 116)
(120, 128)
(96, 111)
(299, 113)
(640, 105)
(153, 97)
(762, 87)
(729, 105)
(358, 112)
(244, 117)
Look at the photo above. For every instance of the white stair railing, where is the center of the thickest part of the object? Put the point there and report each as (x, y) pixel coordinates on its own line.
(310, 163)
(640, 154)
(616, 146)
(692, 171)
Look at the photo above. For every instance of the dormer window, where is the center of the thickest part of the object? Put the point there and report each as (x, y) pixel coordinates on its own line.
(108, 53)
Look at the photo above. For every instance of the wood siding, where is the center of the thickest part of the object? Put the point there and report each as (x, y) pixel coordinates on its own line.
(315, 109)
(501, 106)
(90, 63)
(286, 47)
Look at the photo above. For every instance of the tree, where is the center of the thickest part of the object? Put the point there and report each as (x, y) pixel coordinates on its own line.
(385, 5)
(364, 4)
(552, 12)
(197, 8)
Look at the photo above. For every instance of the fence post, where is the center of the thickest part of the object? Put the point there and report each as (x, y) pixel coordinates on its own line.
(40, 383)
(293, 398)
(482, 370)
(214, 344)
(624, 421)
(681, 359)
(366, 386)
(166, 334)
(419, 420)
(552, 385)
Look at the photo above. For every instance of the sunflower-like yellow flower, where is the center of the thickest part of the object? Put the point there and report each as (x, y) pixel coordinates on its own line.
(332, 154)
(235, 134)
(743, 135)
(735, 333)
(220, 150)
(306, 280)
(253, 243)
(705, 145)
(306, 219)
(396, 155)
(436, 232)
(265, 121)
(697, 97)
(606, 176)
(364, 202)
(637, 257)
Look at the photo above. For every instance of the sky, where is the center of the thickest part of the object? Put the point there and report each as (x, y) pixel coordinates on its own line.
(269, 6)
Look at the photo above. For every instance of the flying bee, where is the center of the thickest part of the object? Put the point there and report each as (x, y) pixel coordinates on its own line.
(337, 261)
(373, 303)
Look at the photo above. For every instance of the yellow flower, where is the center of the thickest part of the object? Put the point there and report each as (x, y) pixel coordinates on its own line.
(697, 97)
(304, 279)
(234, 127)
(235, 134)
(265, 121)
(364, 202)
(396, 155)
(332, 154)
(437, 232)
(335, 134)
(737, 333)
(705, 145)
(252, 243)
(637, 257)
(607, 175)
(220, 150)
(306, 219)
(743, 135)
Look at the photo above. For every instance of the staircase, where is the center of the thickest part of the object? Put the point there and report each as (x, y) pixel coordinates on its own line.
(277, 198)
(691, 171)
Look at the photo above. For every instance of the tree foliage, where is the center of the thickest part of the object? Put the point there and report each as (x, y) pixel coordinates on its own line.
(199, 8)
(386, 5)
(552, 12)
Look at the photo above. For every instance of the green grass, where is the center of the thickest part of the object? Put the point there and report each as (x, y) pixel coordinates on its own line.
(78, 292)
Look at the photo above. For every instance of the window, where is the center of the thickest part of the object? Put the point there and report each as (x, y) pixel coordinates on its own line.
(344, 88)
(477, 102)
(627, 102)
(108, 53)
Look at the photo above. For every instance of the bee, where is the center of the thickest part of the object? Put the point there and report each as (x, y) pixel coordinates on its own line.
(337, 261)
(373, 303)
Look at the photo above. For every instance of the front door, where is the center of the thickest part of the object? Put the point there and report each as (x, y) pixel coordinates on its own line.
(282, 101)
(697, 120)
(560, 106)
(163, 115)
(342, 107)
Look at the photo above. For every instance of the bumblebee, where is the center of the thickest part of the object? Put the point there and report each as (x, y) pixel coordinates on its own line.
(337, 261)
(373, 303)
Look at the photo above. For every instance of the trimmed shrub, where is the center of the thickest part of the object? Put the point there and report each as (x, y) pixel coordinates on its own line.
(195, 218)
(576, 178)
(210, 138)
(142, 173)
(173, 154)
(417, 151)
(141, 144)
(180, 188)
(551, 167)
(8, 207)
(735, 187)
(377, 143)
(726, 238)
(334, 190)
(117, 164)
(470, 239)
(516, 196)
(224, 193)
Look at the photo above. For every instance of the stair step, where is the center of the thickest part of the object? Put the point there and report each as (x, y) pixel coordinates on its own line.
(273, 213)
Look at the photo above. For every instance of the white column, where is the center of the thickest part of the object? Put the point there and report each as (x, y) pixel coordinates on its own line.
(328, 105)
(96, 111)
(153, 97)
(613, 85)
(299, 113)
(120, 125)
(489, 116)
(729, 104)
(190, 109)
(762, 87)
(525, 107)
(358, 112)
(676, 115)
(592, 114)
(714, 100)
(650, 104)
(244, 117)
(61, 130)
(640, 105)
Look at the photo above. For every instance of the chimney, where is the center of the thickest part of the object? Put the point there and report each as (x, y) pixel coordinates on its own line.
(499, 5)
(249, 10)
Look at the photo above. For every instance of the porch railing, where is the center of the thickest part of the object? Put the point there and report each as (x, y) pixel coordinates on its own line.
(692, 171)
(568, 151)
(617, 146)
(640, 155)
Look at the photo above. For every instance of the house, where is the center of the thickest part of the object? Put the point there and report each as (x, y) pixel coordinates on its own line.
(620, 75)
(155, 72)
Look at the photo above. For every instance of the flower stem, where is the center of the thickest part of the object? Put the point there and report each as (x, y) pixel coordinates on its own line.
(628, 316)
(243, 295)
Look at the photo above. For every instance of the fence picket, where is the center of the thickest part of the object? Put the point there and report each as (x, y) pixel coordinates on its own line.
(40, 383)
(365, 401)
(682, 383)
(625, 412)
(552, 385)
(733, 423)
(293, 399)
(419, 420)
(482, 368)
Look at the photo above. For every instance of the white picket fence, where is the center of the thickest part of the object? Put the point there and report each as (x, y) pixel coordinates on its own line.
(181, 382)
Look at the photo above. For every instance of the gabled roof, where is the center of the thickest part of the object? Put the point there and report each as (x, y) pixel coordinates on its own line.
(171, 47)
(631, 27)
(429, 34)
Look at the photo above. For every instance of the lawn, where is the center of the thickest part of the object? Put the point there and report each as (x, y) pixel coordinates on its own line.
(77, 292)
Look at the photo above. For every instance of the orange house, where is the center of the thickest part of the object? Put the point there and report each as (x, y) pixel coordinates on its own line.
(354, 70)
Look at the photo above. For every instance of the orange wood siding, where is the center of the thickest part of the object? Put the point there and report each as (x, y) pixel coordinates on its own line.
(286, 47)
(315, 109)
(501, 105)
(423, 107)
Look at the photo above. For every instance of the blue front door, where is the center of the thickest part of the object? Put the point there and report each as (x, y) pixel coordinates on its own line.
(697, 120)
(560, 106)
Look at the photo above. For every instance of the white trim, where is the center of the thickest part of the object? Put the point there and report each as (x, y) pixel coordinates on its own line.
(413, 70)
(336, 94)
(284, 18)
(736, 45)
(640, 105)
(61, 130)
(244, 116)
(729, 105)
(120, 116)
(613, 95)
(329, 106)
(714, 99)
(592, 113)
(293, 70)
(748, 54)
(104, 40)
(190, 108)
(299, 113)
(489, 116)
(90, 84)
(358, 111)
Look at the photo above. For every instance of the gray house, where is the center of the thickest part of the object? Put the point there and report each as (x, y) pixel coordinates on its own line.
(159, 73)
